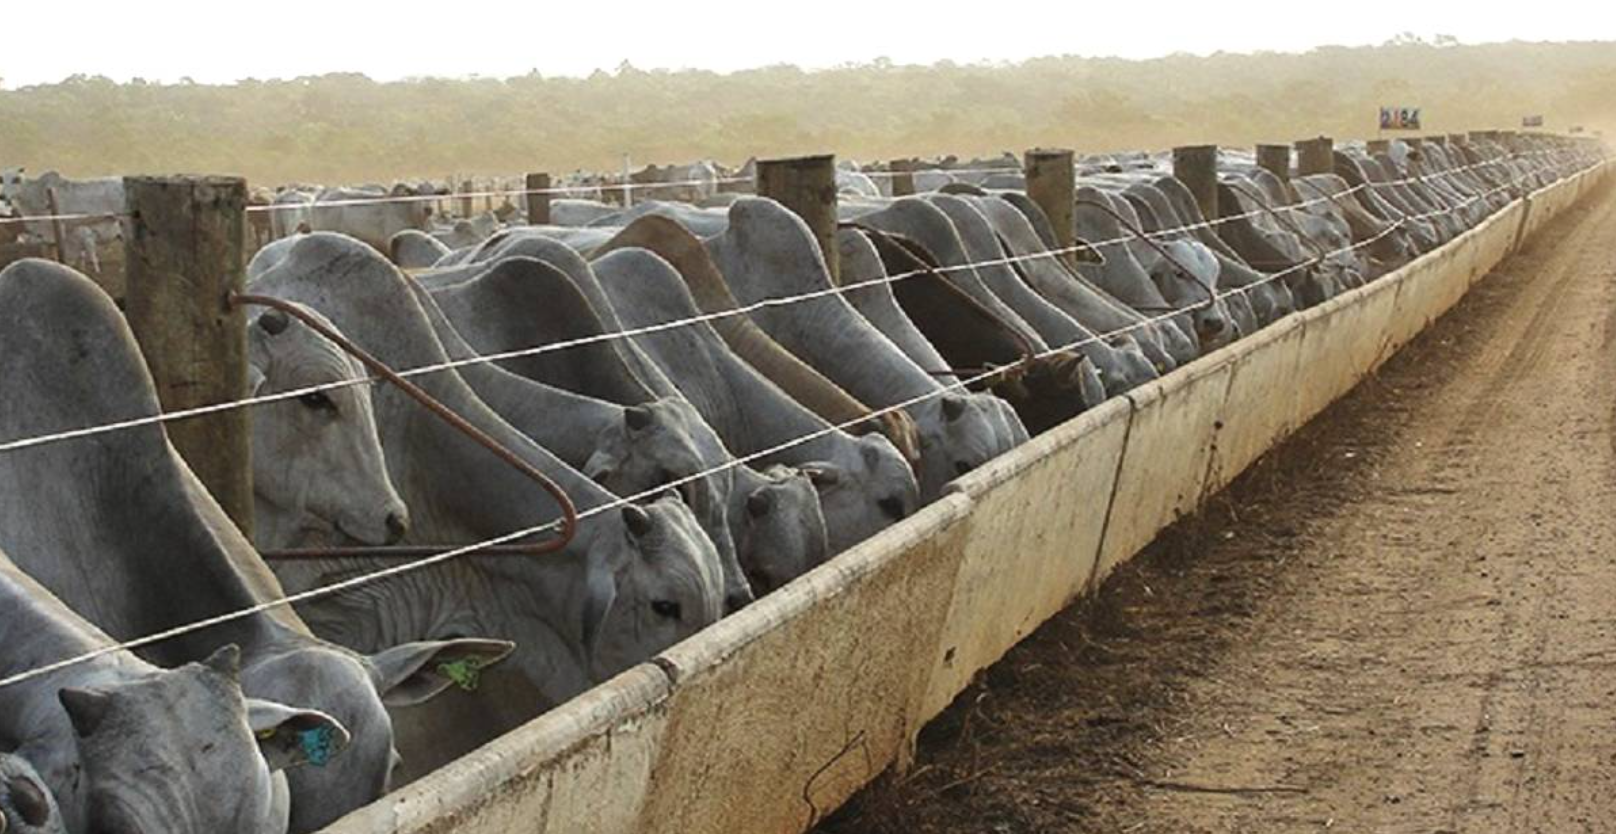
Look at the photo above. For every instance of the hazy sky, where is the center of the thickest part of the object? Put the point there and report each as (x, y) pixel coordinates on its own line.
(224, 40)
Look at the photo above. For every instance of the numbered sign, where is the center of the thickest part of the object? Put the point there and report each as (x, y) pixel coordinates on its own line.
(1399, 118)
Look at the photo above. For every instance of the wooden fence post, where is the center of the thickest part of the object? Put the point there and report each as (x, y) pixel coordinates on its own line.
(807, 186)
(1380, 146)
(465, 199)
(1197, 167)
(185, 254)
(58, 227)
(1315, 156)
(1052, 184)
(538, 199)
(1276, 159)
(903, 177)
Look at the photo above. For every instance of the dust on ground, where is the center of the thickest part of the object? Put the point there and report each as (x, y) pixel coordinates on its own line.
(1399, 621)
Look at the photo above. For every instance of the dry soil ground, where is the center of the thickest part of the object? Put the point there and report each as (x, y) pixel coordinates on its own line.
(1402, 620)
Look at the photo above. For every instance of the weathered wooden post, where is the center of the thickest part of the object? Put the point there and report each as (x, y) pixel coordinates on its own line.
(1440, 139)
(1315, 156)
(1380, 146)
(465, 198)
(185, 254)
(58, 228)
(1052, 184)
(807, 186)
(1197, 167)
(1458, 139)
(538, 199)
(903, 177)
(1276, 159)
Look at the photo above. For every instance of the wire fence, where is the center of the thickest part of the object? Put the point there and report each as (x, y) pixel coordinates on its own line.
(573, 190)
(744, 309)
(622, 501)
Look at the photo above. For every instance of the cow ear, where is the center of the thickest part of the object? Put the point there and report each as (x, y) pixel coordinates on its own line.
(86, 709)
(637, 418)
(953, 407)
(760, 503)
(290, 737)
(600, 594)
(273, 322)
(33, 804)
(414, 673)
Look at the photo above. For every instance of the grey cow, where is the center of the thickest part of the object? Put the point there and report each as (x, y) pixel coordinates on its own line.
(27, 805)
(118, 527)
(125, 746)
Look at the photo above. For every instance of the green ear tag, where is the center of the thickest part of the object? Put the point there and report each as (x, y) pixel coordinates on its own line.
(465, 672)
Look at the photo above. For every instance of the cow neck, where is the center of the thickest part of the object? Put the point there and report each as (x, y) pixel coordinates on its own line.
(767, 253)
(685, 253)
(748, 412)
(1042, 323)
(927, 225)
(456, 490)
(860, 263)
(519, 303)
(115, 525)
(563, 422)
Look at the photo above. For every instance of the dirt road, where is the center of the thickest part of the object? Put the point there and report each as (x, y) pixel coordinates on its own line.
(1403, 620)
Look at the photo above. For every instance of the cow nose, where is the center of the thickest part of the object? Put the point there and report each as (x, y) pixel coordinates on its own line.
(397, 525)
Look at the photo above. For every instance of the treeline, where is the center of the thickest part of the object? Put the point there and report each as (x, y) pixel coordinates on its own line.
(348, 128)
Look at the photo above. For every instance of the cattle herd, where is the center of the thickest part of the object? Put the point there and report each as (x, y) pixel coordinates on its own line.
(763, 413)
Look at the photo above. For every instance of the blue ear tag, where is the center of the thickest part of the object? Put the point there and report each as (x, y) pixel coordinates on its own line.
(316, 744)
(465, 672)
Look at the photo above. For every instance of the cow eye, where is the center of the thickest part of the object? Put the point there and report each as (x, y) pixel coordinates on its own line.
(318, 401)
(666, 608)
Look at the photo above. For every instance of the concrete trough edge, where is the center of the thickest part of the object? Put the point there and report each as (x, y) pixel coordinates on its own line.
(619, 759)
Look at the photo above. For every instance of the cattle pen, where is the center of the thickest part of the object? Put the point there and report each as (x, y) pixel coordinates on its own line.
(771, 718)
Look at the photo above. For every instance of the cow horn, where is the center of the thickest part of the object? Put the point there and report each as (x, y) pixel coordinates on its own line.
(86, 709)
(225, 660)
(637, 417)
(274, 322)
(823, 476)
(637, 519)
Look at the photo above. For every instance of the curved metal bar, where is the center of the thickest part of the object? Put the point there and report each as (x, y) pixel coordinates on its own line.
(569, 511)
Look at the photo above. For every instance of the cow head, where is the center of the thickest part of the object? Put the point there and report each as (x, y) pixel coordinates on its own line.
(867, 488)
(651, 580)
(184, 751)
(357, 690)
(659, 443)
(318, 468)
(26, 805)
(958, 433)
(784, 532)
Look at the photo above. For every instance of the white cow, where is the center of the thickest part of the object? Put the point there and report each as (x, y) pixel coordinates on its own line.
(100, 200)
(371, 213)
